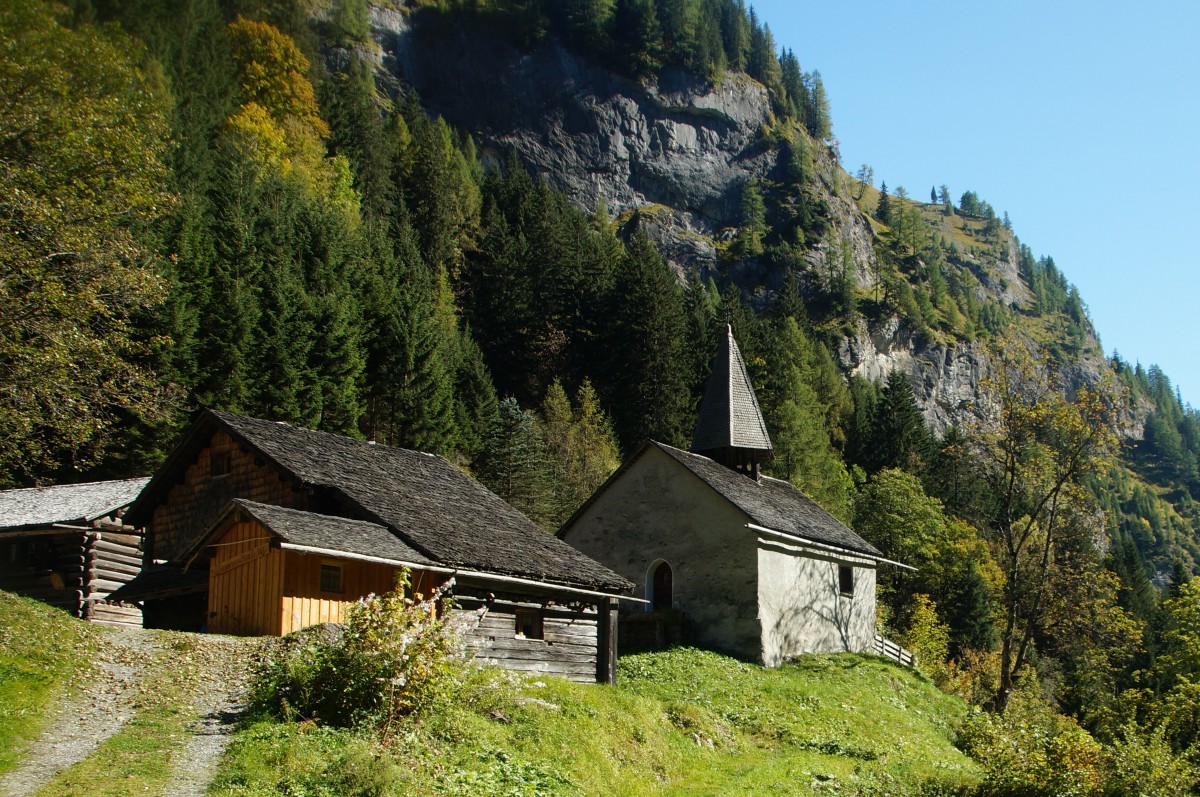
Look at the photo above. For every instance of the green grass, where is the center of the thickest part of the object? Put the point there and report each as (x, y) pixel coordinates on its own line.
(683, 722)
(41, 651)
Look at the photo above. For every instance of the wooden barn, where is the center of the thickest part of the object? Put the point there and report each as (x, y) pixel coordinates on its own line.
(292, 525)
(69, 546)
(275, 570)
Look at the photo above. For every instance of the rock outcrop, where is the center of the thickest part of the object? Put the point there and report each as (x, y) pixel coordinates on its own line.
(674, 156)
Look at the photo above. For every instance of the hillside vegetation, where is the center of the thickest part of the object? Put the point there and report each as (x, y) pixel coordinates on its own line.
(679, 722)
(40, 652)
(247, 205)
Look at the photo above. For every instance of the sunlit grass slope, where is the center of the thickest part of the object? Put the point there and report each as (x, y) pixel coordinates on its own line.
(683, 722)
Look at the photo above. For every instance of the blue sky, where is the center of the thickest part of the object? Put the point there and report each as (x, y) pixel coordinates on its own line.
(1081, 120)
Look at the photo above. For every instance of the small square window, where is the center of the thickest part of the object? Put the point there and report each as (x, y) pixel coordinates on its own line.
(220, 463)
(846, 580)
(529, 624)
(331, 578)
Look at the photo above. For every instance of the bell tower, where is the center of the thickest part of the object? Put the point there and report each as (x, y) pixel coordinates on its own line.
(731, 429)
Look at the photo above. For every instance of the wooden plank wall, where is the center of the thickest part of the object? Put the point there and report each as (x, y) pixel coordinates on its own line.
(115, 559)
(569, 649)
(304, 603)
(193, 505)
(49, 568)
(245, 583)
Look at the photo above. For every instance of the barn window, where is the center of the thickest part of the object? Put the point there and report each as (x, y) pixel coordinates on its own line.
(661, 587)
(331, 578)
(846, 580)
(529, 624)
(220, 464)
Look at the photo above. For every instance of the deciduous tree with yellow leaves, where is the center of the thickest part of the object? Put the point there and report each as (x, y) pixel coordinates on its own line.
(1033, 443)
(83, 137)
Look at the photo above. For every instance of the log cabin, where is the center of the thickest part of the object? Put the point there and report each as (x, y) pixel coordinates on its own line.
(68, 546)
(727, 557)
(290, 526)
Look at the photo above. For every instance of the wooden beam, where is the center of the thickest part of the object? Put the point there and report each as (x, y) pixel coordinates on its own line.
(607, 658)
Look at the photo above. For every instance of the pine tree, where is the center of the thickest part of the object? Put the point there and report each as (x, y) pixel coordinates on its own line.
(513, 462)
(584, 23)
(350, 104)
(883, 210)
(441, 191)
(796, 416)
(278, 351)
(794, 85)
(581, 450)
(750, 236)
(971, 614)
(900, 437)
(351, 20)
(411, 385)
(649, 388)
(677, 20)
(735, 33)
(476, 407)
(817, 116)
(637, 37)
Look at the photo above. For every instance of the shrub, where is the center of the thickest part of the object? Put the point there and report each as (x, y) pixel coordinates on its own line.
(390, 659)
(929, 639)
(1141, 764)
(1030, 751)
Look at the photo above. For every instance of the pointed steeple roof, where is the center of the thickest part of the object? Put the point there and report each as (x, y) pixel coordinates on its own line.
(731, 425)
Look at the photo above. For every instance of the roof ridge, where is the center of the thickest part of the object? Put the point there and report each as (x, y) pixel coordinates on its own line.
(252, 505)
(76, 485)
(773, 503)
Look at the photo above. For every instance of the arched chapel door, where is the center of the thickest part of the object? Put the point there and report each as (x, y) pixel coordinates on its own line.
(660, 596)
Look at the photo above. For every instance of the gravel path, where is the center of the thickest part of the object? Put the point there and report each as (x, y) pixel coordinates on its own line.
(219, 701)
(100, 704)
(92, 710)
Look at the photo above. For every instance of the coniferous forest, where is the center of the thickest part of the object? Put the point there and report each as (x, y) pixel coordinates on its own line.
(215, 203)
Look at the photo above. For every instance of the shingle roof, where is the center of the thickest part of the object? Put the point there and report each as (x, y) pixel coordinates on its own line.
(66, 503)
(312, 530)
(431, 505)
(773, 503)
(729, 413)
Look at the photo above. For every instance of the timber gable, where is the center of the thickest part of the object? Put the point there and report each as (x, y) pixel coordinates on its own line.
(201, 494)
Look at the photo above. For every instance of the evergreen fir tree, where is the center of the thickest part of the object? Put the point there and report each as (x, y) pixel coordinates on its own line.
(817, 116)
(409, 355)
(649, 387)
(475, 404)
(512, 463)
(900, 438)
(796, 417)
(735, 30)
(971, 615)
(349, 102)
(750, 236)
(883, 210)
(637, 38)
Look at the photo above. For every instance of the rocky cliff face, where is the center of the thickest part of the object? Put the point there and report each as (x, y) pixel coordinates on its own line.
(678, 152)
(681, 148)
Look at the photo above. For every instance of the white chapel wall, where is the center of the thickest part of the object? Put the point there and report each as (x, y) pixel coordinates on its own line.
(802, 609)
(658, 510)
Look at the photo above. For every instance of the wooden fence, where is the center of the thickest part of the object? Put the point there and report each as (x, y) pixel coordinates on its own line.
(890, 650)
